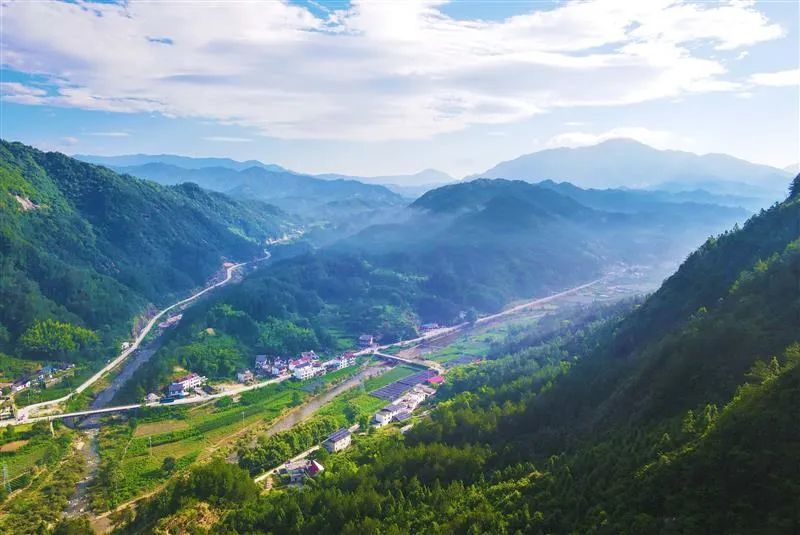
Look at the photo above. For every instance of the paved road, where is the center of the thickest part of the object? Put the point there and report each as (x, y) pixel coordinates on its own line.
(24, 412)
(438, 333)
(435, 366)
(122, 408)
(200, 399)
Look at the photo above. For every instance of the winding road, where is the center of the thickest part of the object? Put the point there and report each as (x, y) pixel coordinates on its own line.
(431, 335)
(24, 413)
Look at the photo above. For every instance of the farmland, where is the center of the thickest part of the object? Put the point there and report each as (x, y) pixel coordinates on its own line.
(143, 452)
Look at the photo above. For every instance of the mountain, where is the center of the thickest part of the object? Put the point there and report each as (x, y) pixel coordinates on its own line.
(792, 169)
(696, 203)
(89, 247)
(677, 414)
(305, 195)
(185, 162)
(426, 178)
(624, 162)
(409, 185)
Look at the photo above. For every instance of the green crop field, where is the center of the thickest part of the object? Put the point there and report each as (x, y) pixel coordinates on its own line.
(133, 456)
(396, 373)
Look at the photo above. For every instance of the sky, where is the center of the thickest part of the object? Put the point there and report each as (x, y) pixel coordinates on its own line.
(395, 86)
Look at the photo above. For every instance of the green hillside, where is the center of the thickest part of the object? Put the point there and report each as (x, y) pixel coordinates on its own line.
(677, 415)
(91, 248)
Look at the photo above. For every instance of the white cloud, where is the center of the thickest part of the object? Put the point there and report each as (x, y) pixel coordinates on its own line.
(777, 79)
(21, 94)
(659, 139)
(373, 71)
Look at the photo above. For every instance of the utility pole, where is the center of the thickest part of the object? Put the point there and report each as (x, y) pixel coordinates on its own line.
(6, 483)
(151, 445)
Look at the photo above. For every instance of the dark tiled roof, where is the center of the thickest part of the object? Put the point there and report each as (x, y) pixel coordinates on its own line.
(339, 435)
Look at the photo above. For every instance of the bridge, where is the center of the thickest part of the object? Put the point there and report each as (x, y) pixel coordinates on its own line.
(429, 364)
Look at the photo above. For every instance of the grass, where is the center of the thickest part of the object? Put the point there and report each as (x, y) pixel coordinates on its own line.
(154, 428)
(185, 434)
(23, 458)
(395, 374)
(479, 343)
(28, 450)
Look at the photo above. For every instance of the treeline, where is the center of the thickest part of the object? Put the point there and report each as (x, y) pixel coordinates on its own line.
(270, 452)
(87, 247)
(614, 425)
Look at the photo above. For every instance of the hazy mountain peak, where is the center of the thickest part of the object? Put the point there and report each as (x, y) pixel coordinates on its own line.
(626, 162)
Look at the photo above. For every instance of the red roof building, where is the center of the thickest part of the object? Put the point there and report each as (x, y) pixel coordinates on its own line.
(436, 380)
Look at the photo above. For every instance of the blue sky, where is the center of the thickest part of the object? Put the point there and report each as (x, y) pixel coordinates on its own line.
(374, 88)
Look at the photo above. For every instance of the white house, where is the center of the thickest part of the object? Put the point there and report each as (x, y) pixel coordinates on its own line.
(244, 376)
(347, 359)
(304, 371)
(385, 415)
(187, 382)
(338, 441)
(261, 362)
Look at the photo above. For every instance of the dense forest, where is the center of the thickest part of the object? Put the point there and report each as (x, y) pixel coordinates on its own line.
(677, 415)
(83, 248)
(431, 266)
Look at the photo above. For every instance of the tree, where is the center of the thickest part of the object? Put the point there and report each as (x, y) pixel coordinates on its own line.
(689, 426)
(794, 187)
(297, 399)
(73, 526)
(168, 465)
(54, 339)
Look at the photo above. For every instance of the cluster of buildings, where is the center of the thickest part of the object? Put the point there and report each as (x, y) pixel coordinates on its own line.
(401, 408)
(44, 376)
(184, 385)
(298, 471)
(306, 366)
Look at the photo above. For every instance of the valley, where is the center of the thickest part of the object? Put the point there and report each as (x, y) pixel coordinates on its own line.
(411, 346)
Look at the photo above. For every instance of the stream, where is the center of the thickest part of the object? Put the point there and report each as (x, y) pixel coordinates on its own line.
(79, 503)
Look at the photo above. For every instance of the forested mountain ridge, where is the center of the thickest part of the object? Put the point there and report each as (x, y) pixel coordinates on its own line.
(674, 416)
(293, 192)
(185, 162)
(470, 247)
(86, 246)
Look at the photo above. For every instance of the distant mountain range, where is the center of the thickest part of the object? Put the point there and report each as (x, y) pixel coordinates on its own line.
(410, 185)
(304, 195)
(624, 162)
(184, 162)
(406, 185)
(710, 178)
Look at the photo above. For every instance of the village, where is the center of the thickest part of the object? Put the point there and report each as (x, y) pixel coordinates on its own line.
(402, 397)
